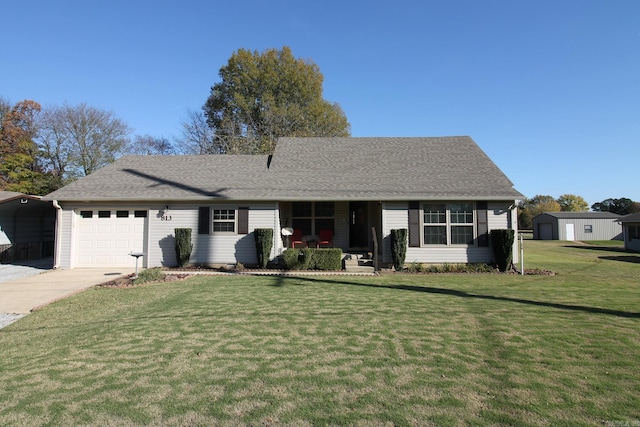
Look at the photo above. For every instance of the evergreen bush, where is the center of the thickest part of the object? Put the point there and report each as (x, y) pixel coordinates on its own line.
(296, 259)
(183, 246)
(502, 245)
(398, 248)
(264, 242)
(327, 259)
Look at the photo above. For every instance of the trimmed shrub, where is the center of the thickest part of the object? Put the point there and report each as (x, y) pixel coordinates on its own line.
(398, 248)
(183, 246)
(264, 242)
(502, 245)
(312, 259)
(327, 259)
(296, 259)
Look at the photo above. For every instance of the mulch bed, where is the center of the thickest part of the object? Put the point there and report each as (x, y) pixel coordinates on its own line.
(129, 281)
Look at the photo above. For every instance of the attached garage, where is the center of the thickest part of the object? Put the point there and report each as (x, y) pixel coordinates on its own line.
(106, 238)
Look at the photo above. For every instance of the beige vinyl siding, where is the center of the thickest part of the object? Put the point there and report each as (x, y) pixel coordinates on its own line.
(396, 216)
(499, 216)
(214, 248)
(66, 238)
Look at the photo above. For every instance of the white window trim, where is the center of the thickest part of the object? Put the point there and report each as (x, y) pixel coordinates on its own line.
(213, 220)
(448, 225)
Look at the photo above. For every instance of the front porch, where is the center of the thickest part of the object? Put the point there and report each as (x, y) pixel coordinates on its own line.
(350, 224)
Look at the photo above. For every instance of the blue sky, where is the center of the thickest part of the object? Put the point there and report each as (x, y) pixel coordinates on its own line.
(549, 89)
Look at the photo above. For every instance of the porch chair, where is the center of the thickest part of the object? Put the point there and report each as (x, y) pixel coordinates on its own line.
(296, 237)
(325, 237)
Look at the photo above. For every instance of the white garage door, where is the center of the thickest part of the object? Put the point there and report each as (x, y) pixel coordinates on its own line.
(105, 238)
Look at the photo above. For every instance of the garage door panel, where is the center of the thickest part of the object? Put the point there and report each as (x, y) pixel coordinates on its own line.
(104, 228)
(86, 244)
(108, 241)
(84, 260)
(103, 260)
(103, 244)
(85, 228)
(124, 228)
(122, 244)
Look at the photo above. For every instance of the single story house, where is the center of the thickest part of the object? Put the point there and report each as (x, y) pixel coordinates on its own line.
(577, 226)
(631, 231)
(27, 227)
(444, 190)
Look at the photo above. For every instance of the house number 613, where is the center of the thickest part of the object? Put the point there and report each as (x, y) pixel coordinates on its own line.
(165, 218)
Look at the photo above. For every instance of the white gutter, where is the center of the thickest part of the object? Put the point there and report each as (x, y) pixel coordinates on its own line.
(57, 243)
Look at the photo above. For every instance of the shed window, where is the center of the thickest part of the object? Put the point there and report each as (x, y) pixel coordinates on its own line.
(634, 232)
(588, 228)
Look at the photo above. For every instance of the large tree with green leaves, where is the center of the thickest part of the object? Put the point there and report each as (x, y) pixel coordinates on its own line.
(264, 96)
(572, 203)
(621, 206)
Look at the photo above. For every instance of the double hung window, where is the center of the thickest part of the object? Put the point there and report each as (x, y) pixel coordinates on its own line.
(224, 220)
(448, 224)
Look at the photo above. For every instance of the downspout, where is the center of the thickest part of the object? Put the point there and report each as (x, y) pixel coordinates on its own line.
(56, 238)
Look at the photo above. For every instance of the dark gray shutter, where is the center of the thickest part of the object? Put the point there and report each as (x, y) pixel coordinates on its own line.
(414, 224)
(243, 220)
(204, 219)
(482, 225)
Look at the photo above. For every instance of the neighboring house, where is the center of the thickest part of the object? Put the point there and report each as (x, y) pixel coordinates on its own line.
(631, 231)
(27, 227)
(445, 191)
(577, 226)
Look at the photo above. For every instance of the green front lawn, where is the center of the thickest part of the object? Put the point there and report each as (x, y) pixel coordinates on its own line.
(461, 349)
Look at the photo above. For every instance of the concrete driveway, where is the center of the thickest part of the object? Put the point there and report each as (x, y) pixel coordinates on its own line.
(24, 294)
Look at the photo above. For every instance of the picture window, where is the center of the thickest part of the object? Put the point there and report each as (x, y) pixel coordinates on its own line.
(311, 217)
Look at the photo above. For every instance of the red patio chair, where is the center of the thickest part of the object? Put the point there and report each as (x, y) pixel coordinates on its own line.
(296, 237)
(325, 237)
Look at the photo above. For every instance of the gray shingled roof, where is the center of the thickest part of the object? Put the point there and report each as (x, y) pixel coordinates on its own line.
(148, 178)
(7, 196)
(307, 169)
(583, 215)
(388, 169)
(633, 217)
